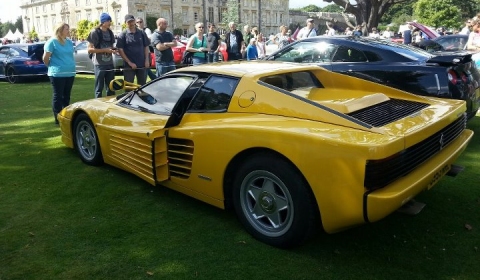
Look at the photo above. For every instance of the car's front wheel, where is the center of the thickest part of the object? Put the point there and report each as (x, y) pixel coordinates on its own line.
(86, 141)
(273, 201)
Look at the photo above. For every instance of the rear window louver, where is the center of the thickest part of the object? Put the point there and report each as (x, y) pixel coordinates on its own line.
(388, 112)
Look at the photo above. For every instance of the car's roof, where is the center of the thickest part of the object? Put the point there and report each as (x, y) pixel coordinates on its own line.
(250, 68)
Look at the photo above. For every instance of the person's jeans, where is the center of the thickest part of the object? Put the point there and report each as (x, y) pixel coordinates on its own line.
(129, 75)
(198, 60)
(164, 67)
(150, 74)
(212, 56)
(104, 74)
(62, 89)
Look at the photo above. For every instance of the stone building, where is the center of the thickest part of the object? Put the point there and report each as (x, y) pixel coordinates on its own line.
(181, 14)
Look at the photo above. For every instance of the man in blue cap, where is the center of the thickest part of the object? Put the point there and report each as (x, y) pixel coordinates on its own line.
(101, 45)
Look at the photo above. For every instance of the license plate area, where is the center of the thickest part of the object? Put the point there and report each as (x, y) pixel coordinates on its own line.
(438, 175)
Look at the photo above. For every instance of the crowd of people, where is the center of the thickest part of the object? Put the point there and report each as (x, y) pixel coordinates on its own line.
(134, 43)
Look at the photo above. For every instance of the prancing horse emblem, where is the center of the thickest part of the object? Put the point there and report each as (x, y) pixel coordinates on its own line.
(441, 142)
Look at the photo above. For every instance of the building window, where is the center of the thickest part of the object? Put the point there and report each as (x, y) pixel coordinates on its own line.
(52, 7)
(210, 15)
(185, 32)
(185, 15)
(45, 23)
(78, 16)
(37, 21)
(99, 1)
(88, 15)
(195, 16)
(77, 3)
(87, 2)
(44, 8)
(281, 17)
(37, 9)
(54, 21)
(166, 14)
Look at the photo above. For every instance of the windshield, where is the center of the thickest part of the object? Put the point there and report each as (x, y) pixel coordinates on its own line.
(159, 97)
(307, 52)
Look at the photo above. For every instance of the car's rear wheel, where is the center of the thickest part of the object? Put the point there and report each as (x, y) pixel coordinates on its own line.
(273, 201)
(12, 76)
(86, 141)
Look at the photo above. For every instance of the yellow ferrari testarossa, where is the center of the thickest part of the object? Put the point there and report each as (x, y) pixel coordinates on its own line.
(289, 147)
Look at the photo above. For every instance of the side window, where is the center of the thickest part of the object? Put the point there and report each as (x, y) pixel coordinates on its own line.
(160, 96)
(345, 54)
(293, 81)
(215, 95)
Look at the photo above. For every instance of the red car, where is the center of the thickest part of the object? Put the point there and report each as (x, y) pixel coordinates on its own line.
(177, 54)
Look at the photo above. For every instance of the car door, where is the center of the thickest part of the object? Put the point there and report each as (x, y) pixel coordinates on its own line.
(135, 129)
(354, 62)
(82, 62)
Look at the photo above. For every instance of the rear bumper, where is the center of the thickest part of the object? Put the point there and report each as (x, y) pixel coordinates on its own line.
(380, 203)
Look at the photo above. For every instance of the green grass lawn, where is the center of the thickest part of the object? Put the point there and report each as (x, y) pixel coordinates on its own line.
(62, 219)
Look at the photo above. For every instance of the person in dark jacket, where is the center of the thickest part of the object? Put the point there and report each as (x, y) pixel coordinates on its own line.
(407, 35)
(235, 43)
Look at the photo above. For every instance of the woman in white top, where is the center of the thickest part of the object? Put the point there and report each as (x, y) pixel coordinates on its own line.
(261, 46)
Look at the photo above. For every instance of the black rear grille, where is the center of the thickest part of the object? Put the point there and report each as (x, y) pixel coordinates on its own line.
(388, 111)
(380, 173)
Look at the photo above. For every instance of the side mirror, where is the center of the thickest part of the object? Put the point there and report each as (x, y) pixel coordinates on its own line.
(119, 84)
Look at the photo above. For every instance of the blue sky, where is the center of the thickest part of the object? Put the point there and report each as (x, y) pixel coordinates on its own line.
(303, 3)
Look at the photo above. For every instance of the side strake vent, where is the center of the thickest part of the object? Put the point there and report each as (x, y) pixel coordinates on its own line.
(180, 157)
(380, 173)
(388, 112)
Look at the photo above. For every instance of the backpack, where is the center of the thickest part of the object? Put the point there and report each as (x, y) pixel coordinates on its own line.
(100, 39)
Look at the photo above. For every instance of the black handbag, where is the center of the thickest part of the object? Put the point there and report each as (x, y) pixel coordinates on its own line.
(187, 58)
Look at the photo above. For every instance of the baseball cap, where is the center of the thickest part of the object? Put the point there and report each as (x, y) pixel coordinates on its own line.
(129, 18)
(310, 20)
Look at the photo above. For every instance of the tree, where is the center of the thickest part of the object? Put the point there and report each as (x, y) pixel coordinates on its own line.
(19, 24)
(332, 8)
(83, 29)
(33, 34)
(311, 8)
(231, 14)
(367, 12)
(438, 13)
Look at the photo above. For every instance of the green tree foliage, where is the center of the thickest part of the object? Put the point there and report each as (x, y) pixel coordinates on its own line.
(438, 13)
(231, 14)
(311, 8)
(83, 29)
(332, 8)
(398, 14)
(19, 24)
(33, 34)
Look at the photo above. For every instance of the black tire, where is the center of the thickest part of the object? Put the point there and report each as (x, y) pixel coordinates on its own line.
(86, 142)
(273, 201)
(12, 75)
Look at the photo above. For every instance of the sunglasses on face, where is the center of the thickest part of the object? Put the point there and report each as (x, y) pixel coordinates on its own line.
(200, 27)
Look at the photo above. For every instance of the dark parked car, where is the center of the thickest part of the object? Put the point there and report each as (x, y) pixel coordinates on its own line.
(445, 74)
(455, 42)
(21, 61)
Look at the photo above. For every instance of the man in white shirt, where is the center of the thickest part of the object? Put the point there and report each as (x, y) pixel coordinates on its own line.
(308, 31)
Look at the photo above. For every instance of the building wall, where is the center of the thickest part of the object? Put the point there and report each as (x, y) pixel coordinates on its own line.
(183, 14)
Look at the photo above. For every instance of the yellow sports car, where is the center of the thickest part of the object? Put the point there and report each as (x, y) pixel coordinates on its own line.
(289, 147)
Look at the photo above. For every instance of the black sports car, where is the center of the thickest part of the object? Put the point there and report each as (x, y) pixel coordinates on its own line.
(455, 42)
(443, 74)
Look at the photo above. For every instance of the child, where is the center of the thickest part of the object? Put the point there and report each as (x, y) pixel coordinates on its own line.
(252, 53)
